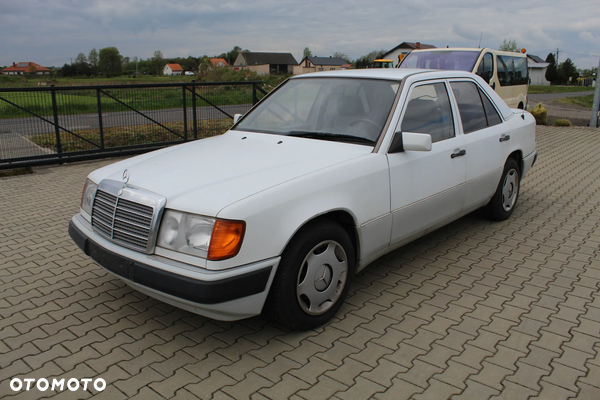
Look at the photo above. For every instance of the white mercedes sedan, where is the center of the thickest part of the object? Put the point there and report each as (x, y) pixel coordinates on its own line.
(326, 174)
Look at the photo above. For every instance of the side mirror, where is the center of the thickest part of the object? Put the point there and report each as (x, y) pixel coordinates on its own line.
(407, 141)
(236, 118)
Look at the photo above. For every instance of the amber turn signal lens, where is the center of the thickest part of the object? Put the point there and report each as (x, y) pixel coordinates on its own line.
(226, 239)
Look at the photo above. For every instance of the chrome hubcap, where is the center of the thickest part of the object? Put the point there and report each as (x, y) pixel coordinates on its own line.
(322, 277)
(510, 189)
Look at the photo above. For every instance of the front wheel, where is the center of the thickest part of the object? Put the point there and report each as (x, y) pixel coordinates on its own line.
(313, 277)
(502, 205)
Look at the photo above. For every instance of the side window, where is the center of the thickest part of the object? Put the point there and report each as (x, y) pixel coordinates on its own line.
(490, 112)
(486, 67)
(470, 107)
(503, 78)
(428, 111)
(521, 75)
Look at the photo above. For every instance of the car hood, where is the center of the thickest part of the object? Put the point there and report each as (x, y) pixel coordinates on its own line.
(207, 175)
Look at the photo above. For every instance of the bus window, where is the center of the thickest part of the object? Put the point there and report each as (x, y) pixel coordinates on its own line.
(521, 77)
(503, 78)
(486, 67)
(512, 70)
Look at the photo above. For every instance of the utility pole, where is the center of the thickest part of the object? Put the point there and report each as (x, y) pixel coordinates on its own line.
(594, 117)
(557, 51)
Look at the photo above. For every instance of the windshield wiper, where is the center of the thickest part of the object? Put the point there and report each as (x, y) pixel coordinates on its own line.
(331, 136)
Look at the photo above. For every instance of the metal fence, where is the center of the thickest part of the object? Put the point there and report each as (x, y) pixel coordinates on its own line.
(56, 124)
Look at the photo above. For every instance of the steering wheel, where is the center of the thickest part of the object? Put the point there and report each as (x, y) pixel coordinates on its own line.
(376, 129)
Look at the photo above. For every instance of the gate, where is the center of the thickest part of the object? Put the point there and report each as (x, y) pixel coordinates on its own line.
(56, 124)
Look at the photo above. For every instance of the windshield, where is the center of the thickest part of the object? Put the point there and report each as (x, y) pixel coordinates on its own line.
(352, 110)
(450, 60)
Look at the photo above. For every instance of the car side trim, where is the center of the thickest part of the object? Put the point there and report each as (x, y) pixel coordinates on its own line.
(203, 292)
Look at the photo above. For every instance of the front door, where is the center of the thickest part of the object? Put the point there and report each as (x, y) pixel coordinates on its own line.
(427, 188)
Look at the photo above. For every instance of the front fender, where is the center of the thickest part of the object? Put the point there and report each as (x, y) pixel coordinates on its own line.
(359, 187)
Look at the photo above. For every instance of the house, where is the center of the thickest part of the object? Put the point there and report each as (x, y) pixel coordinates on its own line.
(313, 64)
(172, 69)
(266, 63)
(219, 62)
(26, 68)
(537, 70)
(398, 52)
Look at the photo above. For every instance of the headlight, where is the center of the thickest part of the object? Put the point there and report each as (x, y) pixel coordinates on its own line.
(210, 238)
(87, 196)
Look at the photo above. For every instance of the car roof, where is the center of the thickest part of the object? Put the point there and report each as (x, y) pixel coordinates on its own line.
(475, 50)
(387, 73)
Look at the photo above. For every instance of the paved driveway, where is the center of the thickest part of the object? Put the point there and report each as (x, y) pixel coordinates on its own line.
(475, 310)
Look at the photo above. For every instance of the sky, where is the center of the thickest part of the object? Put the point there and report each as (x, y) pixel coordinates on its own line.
(54, 32)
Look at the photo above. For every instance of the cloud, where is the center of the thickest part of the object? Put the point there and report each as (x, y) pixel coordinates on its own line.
(51, 33)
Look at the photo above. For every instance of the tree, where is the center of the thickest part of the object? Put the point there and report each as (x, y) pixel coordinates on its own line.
(232, 55)
(67, 70)
(366, 61)
(190, 64)
(81, 59)
(110, 62)
(306, 53)
(509, 45)
(551, 71)
(339, 54)
(567, 72)
(157, 63)
(126, 63)
(93, 58)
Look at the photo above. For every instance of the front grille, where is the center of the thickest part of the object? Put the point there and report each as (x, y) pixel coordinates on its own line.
(122, 221)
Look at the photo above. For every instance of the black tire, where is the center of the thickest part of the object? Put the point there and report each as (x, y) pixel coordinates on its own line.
(318, 264)
(502, 205)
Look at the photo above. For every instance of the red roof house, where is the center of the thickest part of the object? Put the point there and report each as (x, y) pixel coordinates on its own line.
(24, 68)
(172, 69)
(219, 62)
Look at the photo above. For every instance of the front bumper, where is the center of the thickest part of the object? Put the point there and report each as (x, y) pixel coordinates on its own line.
(232, 296)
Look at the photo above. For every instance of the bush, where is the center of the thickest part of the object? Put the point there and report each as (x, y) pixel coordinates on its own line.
(540, 114)
(562, 122)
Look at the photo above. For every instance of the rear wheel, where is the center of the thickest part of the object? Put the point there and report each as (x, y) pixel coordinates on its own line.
(502, 205)
(313, 277)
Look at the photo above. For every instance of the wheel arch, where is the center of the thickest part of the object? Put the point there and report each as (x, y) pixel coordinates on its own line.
(343, 218)
(517, 155)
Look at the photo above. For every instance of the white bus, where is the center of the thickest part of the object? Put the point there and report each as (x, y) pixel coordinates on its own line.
(506, 72)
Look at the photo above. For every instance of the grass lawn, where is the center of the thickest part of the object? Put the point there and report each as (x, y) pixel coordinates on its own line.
(540, 89)
(84, 101)
(130, 135)
(585, 101)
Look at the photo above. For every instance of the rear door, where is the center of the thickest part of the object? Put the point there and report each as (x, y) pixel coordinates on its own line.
(486, 141)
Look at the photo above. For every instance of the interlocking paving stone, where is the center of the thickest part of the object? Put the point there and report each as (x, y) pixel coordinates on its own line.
(476, 309)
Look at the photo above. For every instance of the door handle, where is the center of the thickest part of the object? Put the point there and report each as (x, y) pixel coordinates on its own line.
(458, 153)
(504, 138)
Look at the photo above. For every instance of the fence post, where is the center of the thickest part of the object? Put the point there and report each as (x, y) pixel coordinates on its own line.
(100, 119)
(185, 129)
(55, 114)
(194, 117)
(596, 102)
